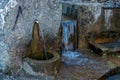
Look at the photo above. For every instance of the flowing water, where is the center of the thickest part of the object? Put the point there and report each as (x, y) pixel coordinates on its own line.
(44, 42)
(68, 29)
(108, 13)
(69, 55)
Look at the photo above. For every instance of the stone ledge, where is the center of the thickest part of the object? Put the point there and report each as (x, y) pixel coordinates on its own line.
(104, 5)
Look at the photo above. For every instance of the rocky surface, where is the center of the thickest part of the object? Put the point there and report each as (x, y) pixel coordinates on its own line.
(101, 1)
(93, 17)
(88, 66)
(16, 24)
(17, 18)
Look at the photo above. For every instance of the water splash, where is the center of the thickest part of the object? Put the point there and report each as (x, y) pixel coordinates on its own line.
(74, 58)
(71, 54)
(108, 14)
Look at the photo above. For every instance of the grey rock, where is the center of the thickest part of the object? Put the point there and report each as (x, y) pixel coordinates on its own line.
(16, 24)
(4, 56)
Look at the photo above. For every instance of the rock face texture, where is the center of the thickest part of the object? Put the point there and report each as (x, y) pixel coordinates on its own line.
(16, 22)
(92, 0)
(90, 19)
(17, 18)
(93, 16)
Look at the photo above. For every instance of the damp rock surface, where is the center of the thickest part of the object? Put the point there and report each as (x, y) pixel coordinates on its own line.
(101, 1)
(3, 58)
(93, 69)
(16, 21)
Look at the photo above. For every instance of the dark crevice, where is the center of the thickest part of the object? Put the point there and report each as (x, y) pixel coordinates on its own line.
(95, 49)
(18, 14)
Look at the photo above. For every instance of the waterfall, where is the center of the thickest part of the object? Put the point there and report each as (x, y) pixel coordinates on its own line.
(68, 30)
(108, 14)
(69, 39)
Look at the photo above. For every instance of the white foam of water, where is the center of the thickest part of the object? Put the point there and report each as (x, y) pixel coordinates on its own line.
(11, 4)
(68, 30)
(74, 58)
(71, 54)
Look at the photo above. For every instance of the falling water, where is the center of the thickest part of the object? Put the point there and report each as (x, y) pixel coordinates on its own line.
(44, 43)
(45, 51)
(68, 34)
(108, 14)
(69, 55)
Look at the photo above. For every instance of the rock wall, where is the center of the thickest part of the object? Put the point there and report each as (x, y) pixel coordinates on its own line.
(77, 1)
(17, 18)
(16, 24)
(93, 16)
(90, 19)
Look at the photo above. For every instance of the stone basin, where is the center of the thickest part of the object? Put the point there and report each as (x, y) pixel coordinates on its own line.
(113, 74)
(50, 66)
(106, 41)
(108, 47)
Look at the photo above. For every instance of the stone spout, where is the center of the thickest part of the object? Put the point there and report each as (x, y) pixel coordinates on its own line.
(35, 47)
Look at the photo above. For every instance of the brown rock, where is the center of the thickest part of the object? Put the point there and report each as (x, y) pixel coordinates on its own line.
(35, 48)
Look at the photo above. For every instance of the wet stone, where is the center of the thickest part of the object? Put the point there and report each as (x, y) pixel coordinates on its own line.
(111, 5)
(3, 3)
(74, 58)
(16, 20)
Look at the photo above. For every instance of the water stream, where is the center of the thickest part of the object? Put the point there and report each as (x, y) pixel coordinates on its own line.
(44, 42)
(68, 37)
(69, 55)
(68, 28)
(108, 13)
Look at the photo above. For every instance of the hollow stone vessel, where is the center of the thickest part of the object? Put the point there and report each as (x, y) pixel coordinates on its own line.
(38, 59)
(113, 74)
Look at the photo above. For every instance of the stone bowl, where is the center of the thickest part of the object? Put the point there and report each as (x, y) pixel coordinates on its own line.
(113, 74)
(50, 66)
(106, 42)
